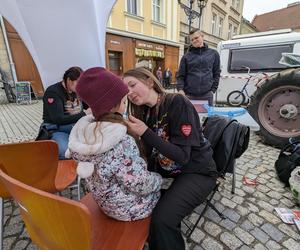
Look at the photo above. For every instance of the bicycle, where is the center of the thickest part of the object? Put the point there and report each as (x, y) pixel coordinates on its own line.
(10, 95)
(237, 97)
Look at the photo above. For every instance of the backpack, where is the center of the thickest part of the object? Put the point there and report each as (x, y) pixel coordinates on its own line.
(288, 160)
(43, 134)
(229, 140)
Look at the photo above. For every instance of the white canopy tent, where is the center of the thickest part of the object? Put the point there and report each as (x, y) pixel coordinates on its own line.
(60, 33)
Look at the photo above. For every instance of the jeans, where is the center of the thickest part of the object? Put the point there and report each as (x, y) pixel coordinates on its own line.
(60, 134)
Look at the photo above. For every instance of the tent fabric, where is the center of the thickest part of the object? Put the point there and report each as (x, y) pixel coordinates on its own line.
(60, 33)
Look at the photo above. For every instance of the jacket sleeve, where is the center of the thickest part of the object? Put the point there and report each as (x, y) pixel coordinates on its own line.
(133, 174)
(181, 74)
(177, 153)
(56, 110)
(216, 73)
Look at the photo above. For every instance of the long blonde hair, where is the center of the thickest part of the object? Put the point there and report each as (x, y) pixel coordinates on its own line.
(143, 75)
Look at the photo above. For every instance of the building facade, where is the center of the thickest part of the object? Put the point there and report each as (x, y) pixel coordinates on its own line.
(143, 33)
(285, 18)
(220, 20)
(247, 27)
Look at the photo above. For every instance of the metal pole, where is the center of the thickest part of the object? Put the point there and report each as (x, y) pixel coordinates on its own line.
(190, 15)
(10, 58)
(200, 15)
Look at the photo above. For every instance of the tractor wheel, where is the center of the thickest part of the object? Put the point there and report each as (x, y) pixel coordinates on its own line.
(276, 107)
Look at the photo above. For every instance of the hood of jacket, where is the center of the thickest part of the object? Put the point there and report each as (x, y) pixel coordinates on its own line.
(89, 137)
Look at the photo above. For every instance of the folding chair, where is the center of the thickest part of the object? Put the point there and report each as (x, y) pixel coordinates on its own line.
(35, 163)
(55, 223)
(229, 140)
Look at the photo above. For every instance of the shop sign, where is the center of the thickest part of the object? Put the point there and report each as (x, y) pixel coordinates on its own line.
(144, 45)
(149, 46)
(115, 42)
(23, 93)
(159, 48)
(149, 53)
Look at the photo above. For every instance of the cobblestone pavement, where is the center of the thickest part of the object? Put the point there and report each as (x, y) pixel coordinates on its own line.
(251, 221)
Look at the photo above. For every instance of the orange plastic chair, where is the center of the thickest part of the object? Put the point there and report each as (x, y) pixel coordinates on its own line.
(54, 222)
(36, 164)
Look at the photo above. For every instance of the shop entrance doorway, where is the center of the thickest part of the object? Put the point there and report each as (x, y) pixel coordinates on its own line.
(115, 62)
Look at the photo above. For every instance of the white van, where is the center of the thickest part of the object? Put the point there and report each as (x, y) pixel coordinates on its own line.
(275, 104)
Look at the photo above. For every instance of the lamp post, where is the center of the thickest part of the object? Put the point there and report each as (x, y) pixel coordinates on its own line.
(201, 5)
(192, 14)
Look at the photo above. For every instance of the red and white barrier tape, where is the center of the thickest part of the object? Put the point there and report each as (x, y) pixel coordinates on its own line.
(235, 77)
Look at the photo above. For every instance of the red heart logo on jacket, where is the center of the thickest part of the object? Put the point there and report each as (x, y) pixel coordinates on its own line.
(50, 100)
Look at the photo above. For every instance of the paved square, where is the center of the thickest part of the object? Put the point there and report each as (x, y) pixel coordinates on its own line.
(251, 220)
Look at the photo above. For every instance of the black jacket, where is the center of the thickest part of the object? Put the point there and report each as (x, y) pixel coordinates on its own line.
(199, 71)
(59, 107)
(229, 140)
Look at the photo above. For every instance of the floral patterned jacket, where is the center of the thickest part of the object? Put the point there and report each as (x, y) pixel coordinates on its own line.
(121, 184)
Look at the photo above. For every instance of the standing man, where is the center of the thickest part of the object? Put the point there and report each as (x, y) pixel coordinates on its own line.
(199, 71)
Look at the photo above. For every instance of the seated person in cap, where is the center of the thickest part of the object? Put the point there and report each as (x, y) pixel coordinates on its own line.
(108, 157)
(62, 108)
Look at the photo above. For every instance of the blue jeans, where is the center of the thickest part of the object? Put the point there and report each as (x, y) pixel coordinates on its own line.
(61, 136)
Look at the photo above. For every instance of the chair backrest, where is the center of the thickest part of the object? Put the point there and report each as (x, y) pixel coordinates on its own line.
(34, 163)
(52, 222)
(229, 140)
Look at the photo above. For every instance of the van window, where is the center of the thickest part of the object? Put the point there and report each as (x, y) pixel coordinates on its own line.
(258, 58)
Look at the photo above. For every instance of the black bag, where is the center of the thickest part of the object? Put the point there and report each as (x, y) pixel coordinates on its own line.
(288, 160)
(44, 134)
(229, 140)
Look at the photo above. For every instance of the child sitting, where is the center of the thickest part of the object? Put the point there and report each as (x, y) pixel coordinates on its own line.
(108, 157)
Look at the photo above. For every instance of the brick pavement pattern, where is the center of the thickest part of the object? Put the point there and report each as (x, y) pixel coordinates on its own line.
(251, 220)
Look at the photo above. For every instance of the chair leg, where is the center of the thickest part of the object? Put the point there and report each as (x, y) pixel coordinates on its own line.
(203, 211)
(1, 222)
(188, 236)
(208, 204)
(222, 216)
(78, 187)
(233, 179)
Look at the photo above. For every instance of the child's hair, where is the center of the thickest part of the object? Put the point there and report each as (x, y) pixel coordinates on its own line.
(118, 118)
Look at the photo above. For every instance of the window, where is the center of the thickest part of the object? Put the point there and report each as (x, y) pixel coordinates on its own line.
(236, 4)
(132, 7)
(258, 59)
(214, 24)
(232, 30)
(156, 6)
(114, 60)
(220, 27)
(217, 25)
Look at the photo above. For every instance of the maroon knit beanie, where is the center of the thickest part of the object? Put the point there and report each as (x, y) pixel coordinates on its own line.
(101, 90)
